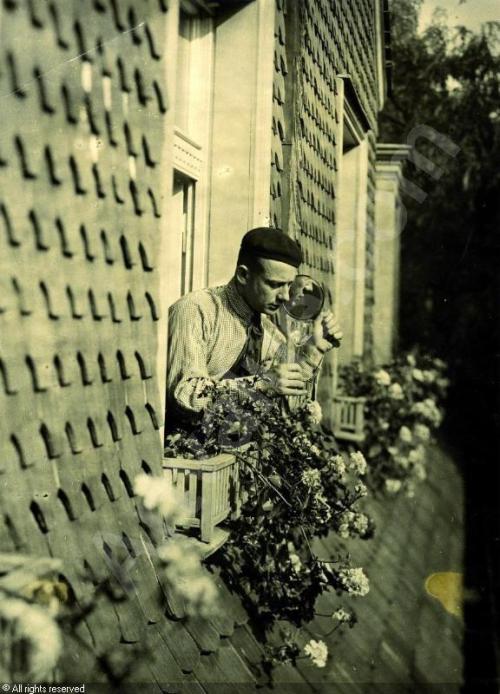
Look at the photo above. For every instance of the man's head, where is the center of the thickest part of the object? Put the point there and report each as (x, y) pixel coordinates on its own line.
(266, 267)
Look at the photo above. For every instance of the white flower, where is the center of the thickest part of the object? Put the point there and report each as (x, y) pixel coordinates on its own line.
(157, 494)
(180, 556)
(354, 581)
(405, 434)
(355, 523)
(337, 463)
(422, 432)
(396, 392)
(199, 595)
(315, 450)
(317, 651)
(341, 615)
(393, 450)
(360, 523)
(361, 489)
(314, 411)
(428, 410)
(311, 478)
(418, 375)
(411, 360)
(357, 463)
(382, 377)
(344, 531)
(33, 624)
(392, 486)
(187, 576)
(383, 424)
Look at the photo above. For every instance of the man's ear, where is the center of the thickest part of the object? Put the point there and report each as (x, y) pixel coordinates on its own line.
(242, 274)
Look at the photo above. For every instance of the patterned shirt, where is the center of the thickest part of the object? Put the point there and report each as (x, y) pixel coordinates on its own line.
(207, 333)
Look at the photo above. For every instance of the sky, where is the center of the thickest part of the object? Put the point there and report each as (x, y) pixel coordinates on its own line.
(470, 13)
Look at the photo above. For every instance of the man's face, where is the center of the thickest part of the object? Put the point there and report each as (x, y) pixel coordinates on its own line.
(265, 289)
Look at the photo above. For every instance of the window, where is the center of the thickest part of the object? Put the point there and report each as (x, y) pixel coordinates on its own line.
(184, 204)
(191, 155)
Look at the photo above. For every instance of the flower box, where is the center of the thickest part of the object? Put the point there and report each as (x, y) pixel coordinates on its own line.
(208, 489)
(349, 418)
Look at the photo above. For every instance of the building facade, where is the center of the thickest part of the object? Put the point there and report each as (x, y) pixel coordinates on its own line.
(139, 141)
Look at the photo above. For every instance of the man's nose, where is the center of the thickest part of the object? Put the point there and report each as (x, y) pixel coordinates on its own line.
(284, 293)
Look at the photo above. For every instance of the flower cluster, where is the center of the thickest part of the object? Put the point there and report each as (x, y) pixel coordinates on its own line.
(187, 577)
(317, 652)
(352, 524)
(158, 495)
(354, 581)
(183, 569)
(343, 616)
(404, 405)
(296, 484)
(35, 628)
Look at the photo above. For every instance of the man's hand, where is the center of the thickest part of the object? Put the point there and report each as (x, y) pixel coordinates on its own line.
(286, 379)
(326, 332)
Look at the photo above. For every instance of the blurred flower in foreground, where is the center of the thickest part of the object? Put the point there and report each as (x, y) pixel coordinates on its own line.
(317, 651)
(157, 494)
(187, 576)
(33, 626)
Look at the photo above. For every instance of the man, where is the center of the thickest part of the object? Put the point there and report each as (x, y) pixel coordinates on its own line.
(224, 334)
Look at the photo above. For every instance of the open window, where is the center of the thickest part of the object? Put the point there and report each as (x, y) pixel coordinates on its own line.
(191, 146)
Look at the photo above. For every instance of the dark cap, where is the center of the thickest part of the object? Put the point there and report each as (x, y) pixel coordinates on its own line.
(266, 242)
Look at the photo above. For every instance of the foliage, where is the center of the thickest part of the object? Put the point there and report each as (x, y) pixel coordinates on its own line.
(404, 404)
(294, 484)
(448, 79)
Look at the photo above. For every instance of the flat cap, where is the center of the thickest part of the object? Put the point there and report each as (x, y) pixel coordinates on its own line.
(267, 242)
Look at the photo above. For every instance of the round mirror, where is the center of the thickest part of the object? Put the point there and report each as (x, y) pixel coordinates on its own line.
(306, 298)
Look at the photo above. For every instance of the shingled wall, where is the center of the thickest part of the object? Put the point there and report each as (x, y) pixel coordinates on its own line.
(82, 111)
(314, 42)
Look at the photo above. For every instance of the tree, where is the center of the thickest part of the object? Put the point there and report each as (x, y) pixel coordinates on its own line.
(447, 79)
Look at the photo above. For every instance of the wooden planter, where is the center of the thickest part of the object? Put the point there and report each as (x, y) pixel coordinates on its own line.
(349, 418)
(209, 491)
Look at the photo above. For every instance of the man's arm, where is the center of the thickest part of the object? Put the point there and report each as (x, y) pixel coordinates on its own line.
(187, 373)
(190, 388)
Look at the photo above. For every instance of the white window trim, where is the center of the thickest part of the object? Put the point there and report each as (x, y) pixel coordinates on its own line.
(263, 118)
